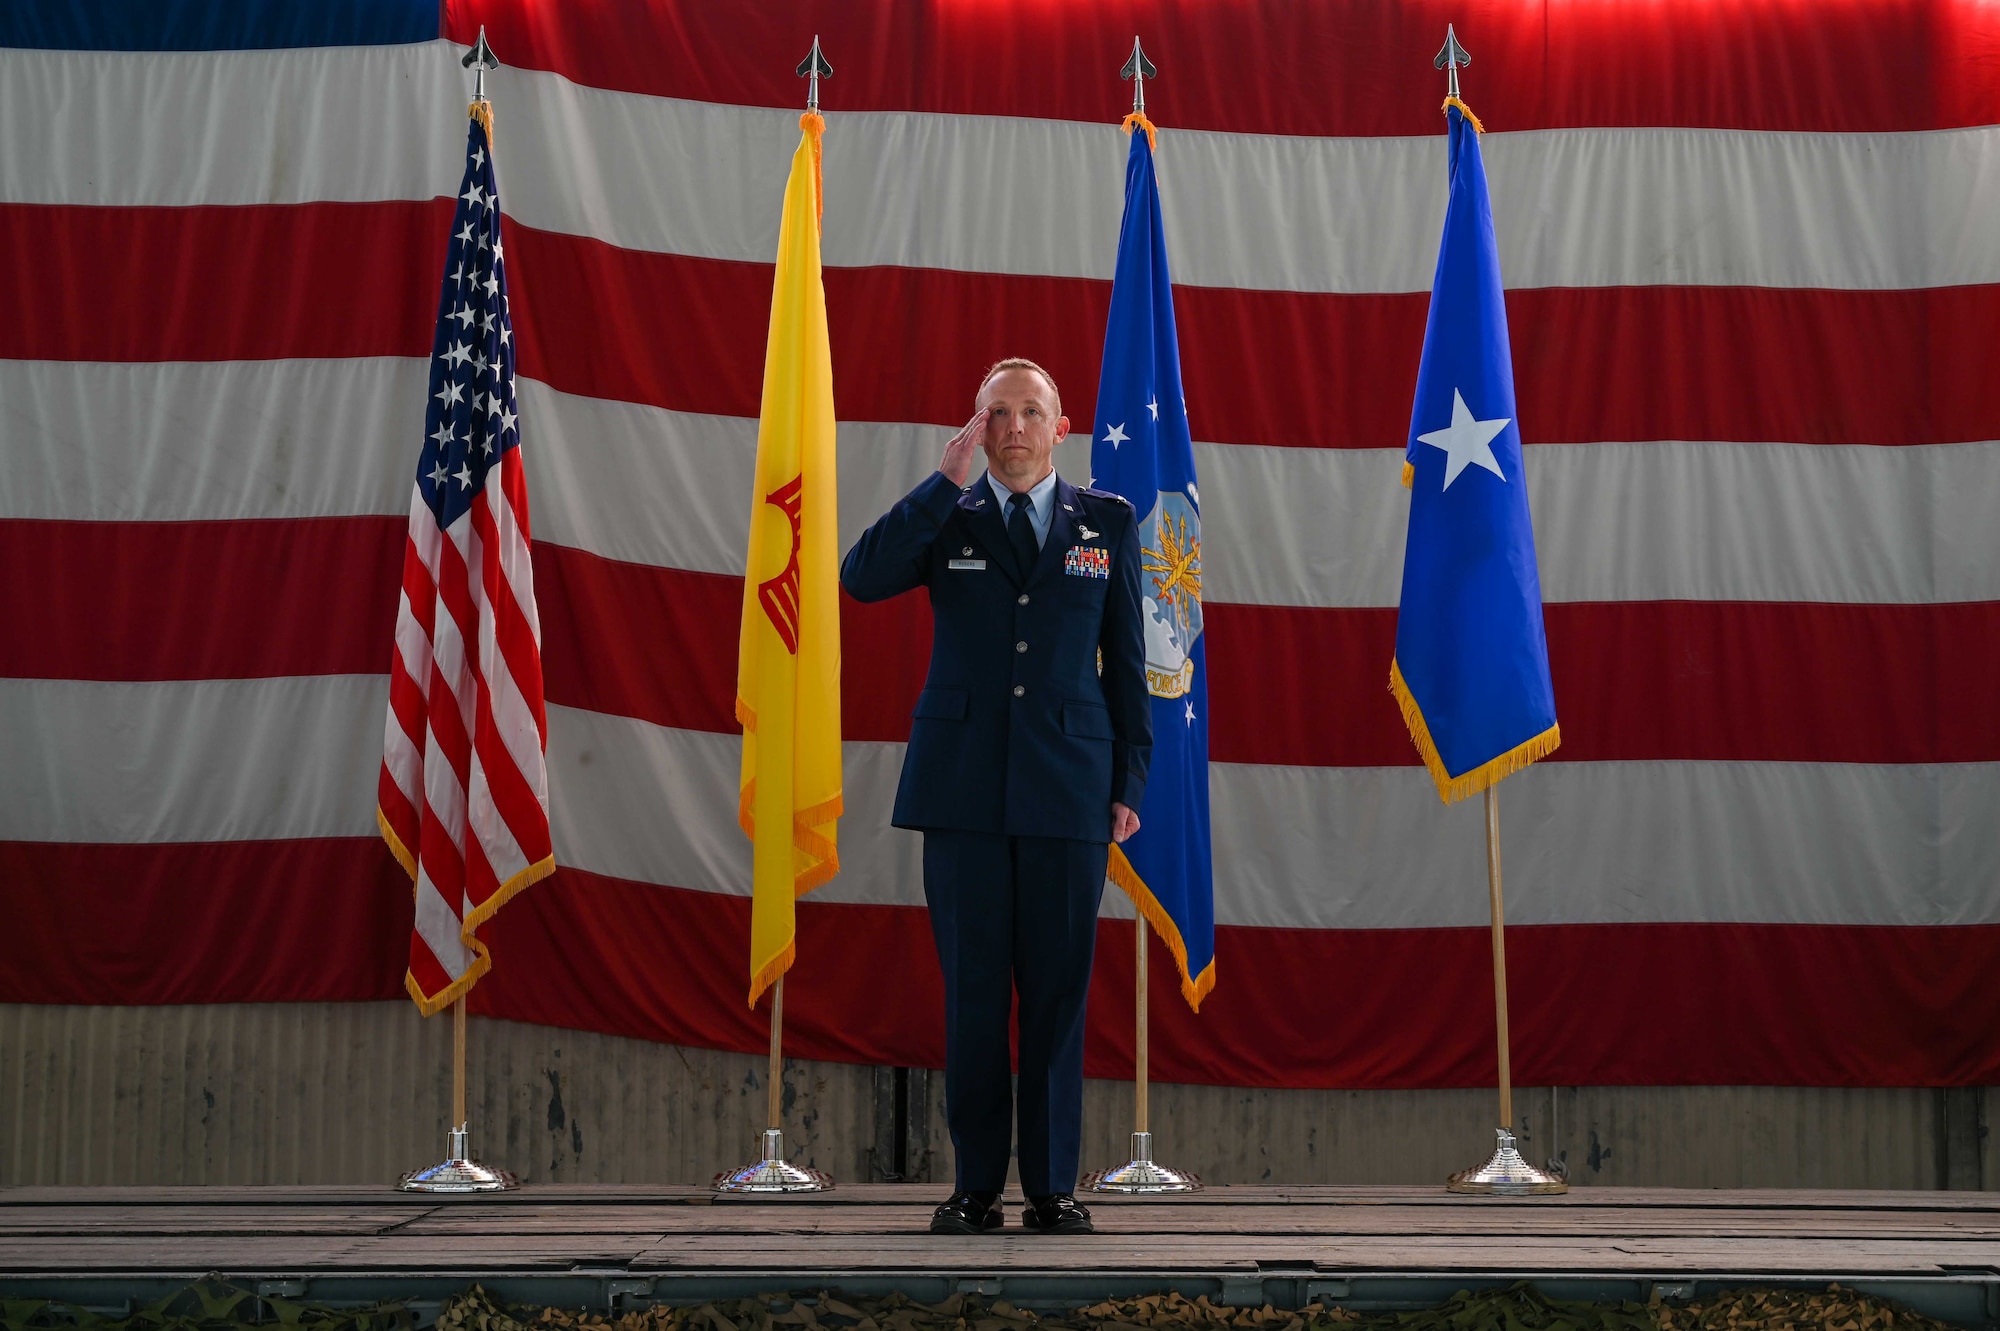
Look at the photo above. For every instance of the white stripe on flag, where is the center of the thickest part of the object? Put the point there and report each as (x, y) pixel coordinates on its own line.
(1645, 521)
(1573, 207)
(1776, 843)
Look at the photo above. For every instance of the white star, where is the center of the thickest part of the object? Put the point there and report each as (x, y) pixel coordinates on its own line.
(497, 251)
(486, 322)
(465, 232)
(463, 475)
(492, 284)
(450, 393)
(458, 275)
(485, 447)
(506, 335)
(464, 316)
(438, 473)
(442, 434)
(492, 404)
(483, 242)
(507, 419)
(479, 157)
(458, 355)
(1117, 436)
(473, 195)
(479, 361)
(1466, 442)
(1190, 711)
(1154, 407)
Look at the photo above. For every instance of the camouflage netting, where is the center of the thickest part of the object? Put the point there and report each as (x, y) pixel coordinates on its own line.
(1517, 1308)
(213, 1305)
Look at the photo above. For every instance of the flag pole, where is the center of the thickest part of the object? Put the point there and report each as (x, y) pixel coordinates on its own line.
(1506, 1172)
(1140, 1174)
(1139, 1118)
(773, 1173)
(459, 1172)
(1499, 955)
(774, 1099)
(458, 1063)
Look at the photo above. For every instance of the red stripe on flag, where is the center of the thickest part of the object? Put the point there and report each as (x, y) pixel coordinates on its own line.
(1685, 680)
(326, 919)
(1746, 364)
(1338, 67)
(200, 600)
(1608, 1004)
(1748, 681)
(1777, 1005)
(214, 283)
(518, 669)
(1295, 369)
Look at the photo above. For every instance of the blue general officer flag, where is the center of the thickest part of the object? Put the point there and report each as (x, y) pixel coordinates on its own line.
(1471, 670)
(1141, 450)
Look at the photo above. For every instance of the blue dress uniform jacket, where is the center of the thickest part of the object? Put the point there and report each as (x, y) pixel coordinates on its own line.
(1016, 732)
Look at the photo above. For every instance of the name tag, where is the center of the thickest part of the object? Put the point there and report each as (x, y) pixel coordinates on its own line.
(1087, 561)
(967, 563)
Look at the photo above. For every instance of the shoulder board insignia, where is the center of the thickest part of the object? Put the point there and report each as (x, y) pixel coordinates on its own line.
(1104, 494)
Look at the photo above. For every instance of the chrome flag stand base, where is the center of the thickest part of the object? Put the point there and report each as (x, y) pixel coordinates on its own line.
(1506, 1174)
(1141, 1174)
(773, 1173)
(458, 1174)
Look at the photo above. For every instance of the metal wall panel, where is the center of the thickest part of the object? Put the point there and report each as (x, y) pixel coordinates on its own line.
(358, 1092)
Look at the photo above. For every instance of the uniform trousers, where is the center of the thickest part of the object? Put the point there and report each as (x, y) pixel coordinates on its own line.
(1014, 916)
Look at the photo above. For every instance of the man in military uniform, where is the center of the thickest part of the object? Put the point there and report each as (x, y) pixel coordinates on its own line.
(1027, 757)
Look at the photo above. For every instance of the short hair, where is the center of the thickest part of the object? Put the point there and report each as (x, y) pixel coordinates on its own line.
(1021, 363)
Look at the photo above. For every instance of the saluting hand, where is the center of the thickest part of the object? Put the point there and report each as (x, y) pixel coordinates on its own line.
(1124, 822)
(957, 462)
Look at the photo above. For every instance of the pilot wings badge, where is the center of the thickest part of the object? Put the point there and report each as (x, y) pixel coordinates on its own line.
(1170, 568)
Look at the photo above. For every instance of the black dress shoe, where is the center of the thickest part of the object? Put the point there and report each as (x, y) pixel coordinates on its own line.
(968, 1213)
(1058, 1213)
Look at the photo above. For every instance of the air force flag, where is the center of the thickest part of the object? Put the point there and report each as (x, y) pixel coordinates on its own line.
(1141, 450)
(1471, 670)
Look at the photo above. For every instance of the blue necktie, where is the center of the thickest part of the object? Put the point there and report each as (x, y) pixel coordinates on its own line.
(1021, 533)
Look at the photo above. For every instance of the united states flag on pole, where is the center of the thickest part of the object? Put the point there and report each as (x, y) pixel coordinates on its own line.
(463, 797)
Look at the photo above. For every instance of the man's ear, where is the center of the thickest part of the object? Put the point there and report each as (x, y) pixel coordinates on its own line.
(1062, 428)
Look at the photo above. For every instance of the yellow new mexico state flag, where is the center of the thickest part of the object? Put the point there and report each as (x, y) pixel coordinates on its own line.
(788, 662)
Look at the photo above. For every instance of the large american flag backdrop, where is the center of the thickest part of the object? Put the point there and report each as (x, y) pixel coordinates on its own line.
(1754, 288)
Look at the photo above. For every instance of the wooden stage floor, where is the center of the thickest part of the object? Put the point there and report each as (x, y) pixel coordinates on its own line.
(1366, 1246)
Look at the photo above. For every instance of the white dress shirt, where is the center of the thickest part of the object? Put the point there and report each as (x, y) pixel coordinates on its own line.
(1041, 504)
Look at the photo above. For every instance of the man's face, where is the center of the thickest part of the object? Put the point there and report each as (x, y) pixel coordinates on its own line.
(1023, 426)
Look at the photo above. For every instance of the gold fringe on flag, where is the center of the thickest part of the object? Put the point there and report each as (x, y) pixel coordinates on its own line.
(482, 958)
(1453, 101)
(1194, 988)
(1452, 789)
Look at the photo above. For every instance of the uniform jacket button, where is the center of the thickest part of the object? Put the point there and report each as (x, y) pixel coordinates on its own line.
(1022, 599)
(1020, 646)
(1020, 690)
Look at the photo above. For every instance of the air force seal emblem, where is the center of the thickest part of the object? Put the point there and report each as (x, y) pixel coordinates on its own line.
(1170, 569)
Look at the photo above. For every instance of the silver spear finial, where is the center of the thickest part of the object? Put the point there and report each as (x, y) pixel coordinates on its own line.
(1138, 69)
(1450, 58)
(480, 59)
(814, 68)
